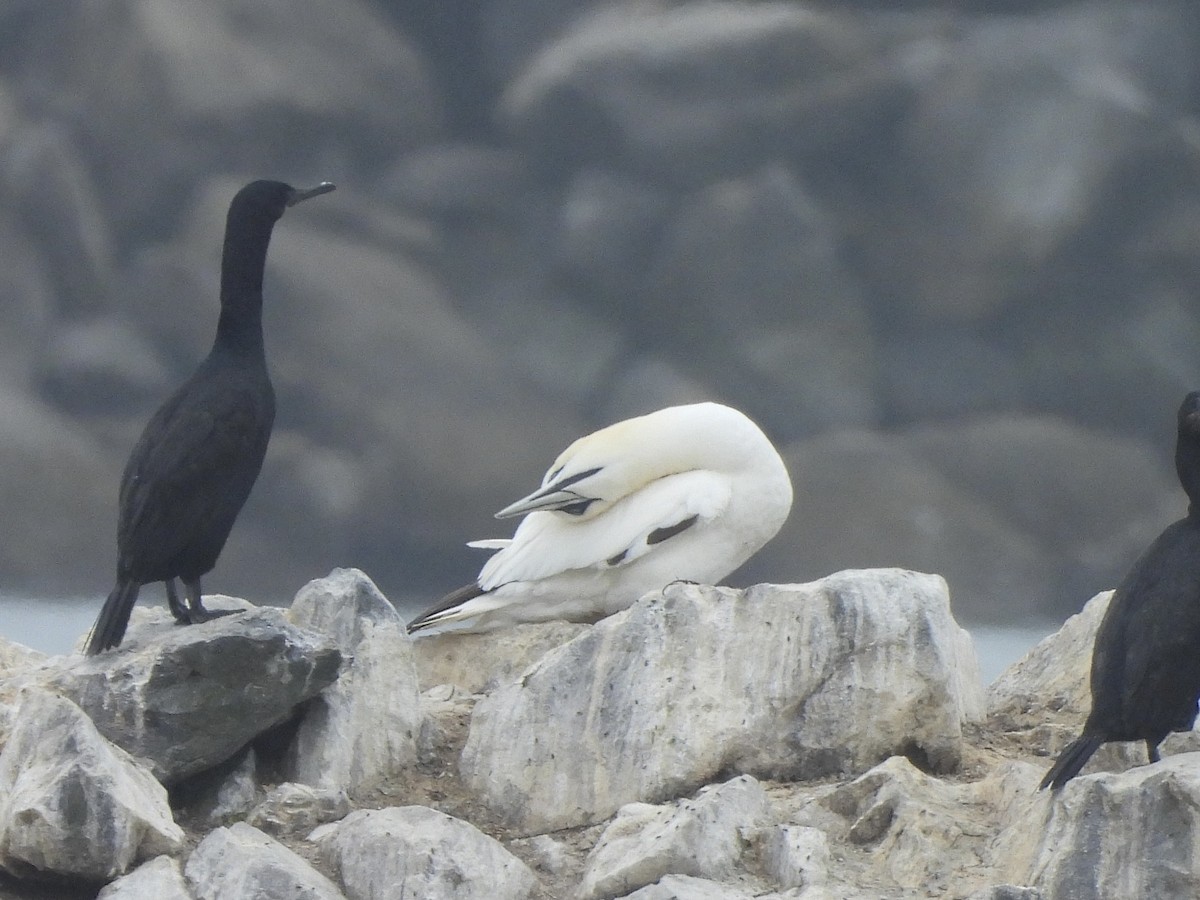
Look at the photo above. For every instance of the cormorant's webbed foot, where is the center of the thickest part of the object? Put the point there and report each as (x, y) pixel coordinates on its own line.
(178, 609)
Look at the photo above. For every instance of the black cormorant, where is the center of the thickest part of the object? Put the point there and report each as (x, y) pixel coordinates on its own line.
(200, 453)
(1146, 658)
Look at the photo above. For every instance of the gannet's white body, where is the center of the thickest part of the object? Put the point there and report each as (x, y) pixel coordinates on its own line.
(685, 493)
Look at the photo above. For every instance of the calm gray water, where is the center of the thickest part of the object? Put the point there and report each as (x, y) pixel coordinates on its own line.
(53, 626)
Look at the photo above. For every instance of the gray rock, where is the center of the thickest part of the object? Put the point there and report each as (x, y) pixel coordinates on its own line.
(241, 861)
(1007, 892)
(221, 800)
(191, 698)
(72, 804)
(414, 851)
(703, 837)
(445, 717)
(1126, 835)
(159, 879)
(478, 663)
(290, 809)
(793, 681)
(363, 727)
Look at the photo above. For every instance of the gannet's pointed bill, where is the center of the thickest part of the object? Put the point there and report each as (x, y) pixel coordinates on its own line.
(561, 494)
(299, 195)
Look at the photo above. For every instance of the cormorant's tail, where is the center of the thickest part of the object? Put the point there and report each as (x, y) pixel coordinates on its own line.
(113, 619)
(1071, 760)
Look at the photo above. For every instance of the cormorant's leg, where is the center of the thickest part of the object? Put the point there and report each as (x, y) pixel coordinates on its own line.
(197, 611)
(178, 610)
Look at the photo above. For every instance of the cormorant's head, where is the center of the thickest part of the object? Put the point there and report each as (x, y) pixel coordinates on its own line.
(268, 199)
(1189, 415)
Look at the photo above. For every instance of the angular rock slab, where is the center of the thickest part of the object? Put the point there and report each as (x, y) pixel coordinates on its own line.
(73, 804)
(415, 851)
(1135, 834)
(777, 681)
(193, 697)
(241, 861)
(701, 837)
(364, 726)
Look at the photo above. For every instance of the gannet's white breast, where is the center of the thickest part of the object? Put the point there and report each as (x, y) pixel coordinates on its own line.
(685, 493)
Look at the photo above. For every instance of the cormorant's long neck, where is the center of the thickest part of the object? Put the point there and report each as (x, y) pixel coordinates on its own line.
(1187, 467)
(240, 327)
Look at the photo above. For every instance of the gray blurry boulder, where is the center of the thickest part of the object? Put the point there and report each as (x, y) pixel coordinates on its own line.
(414, 851)
(778, 681)
(72, 804)
(701, 837)
(241, 861)
(290, 809)
(191, 698)
(689, 887)
(795, 856)
(364, 726)
(159, 879)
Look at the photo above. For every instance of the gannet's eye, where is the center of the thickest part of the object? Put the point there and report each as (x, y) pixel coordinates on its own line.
(577, 507)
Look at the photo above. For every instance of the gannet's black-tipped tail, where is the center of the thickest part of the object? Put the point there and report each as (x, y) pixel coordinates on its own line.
(444, 609)
(1070, 761)
(113, 619)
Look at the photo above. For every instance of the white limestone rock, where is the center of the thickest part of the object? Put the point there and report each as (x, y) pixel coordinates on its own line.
(795, 856)
(704, 837)
(778, 681)
(364, 727)
(241, 861)
(73, 804)
(159, 879)
(291, 808)
(1133, 834)
(414, 851)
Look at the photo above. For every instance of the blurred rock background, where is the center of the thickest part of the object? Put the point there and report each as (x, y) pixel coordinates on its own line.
(946, 253)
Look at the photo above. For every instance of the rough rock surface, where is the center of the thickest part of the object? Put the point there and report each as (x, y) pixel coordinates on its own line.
(848, 671)
(241, 861)
(160, 879)
(71, 803)
(414, 851)
(478, 662)
(193, 697)
(365, 725)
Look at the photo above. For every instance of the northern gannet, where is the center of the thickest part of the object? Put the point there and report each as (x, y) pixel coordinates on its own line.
(685, 493)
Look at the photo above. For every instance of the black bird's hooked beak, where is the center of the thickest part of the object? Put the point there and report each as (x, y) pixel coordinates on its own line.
(298, 196)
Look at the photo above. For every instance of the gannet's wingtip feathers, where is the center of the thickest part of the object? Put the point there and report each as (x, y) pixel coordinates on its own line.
(445, 608)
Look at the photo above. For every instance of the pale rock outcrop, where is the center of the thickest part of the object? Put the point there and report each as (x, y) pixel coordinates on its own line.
(923, 833)
(688, 887)
(241, 861)
(794, 856)
(415, 851)
(71, 803)
(365, 725)
(445, 714)
(1133, 834)
(477, 663)
(159, 879)
(704, 837)
(187, 699)
(778, 681)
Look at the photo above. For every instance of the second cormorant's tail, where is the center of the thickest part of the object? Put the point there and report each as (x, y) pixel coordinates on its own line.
(1071, 760)
(113, 619)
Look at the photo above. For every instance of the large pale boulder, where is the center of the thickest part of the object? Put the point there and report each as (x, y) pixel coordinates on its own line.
(241, 861)
(189, 698)
(1134, 834)
(364, 726)
(703, 837)
(72, 804)
(414, 851)
(791, 681)
(477, 663)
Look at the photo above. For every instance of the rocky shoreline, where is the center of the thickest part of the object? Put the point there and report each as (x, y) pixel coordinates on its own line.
(824, 740)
